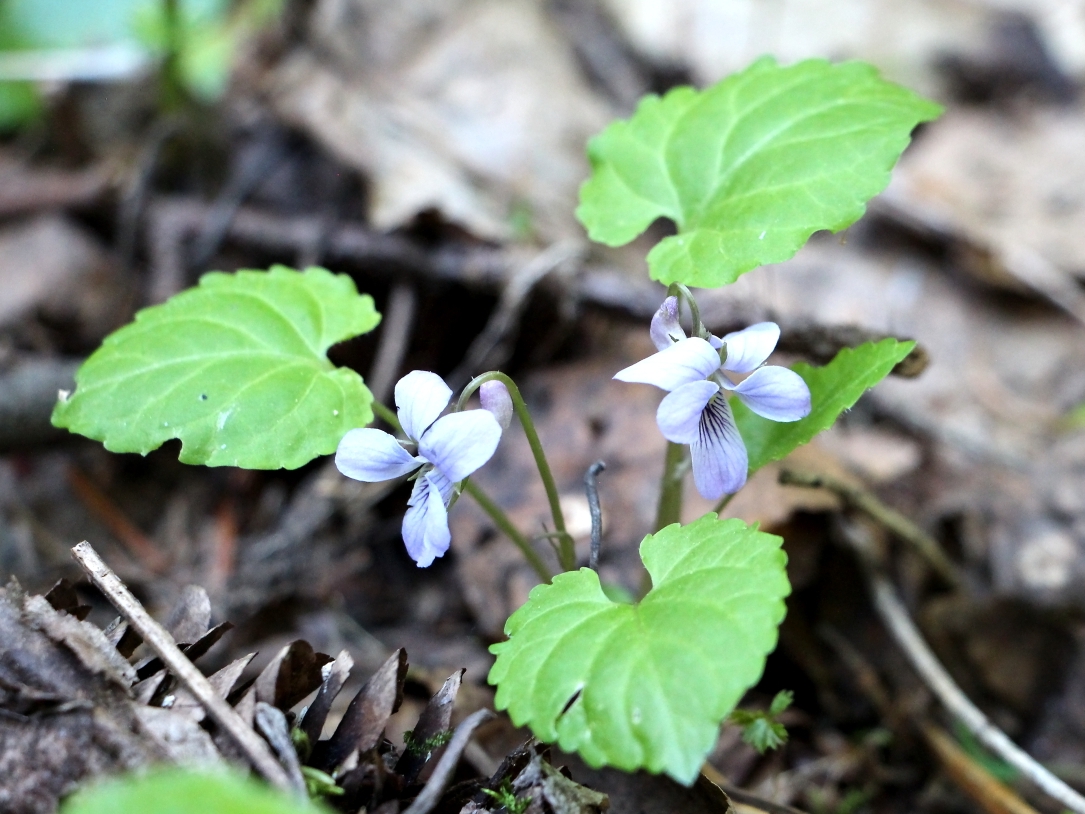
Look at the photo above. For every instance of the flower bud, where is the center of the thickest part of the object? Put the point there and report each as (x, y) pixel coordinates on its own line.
(495, 398)
(666, 329)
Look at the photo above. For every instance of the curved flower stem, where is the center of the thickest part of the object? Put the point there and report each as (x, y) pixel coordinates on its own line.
(501, 520)
(697, 327)
(566, 551)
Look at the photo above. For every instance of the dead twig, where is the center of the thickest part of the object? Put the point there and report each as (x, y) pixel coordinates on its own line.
(174, 221)
(970, 776)
(900, 626)
(977, 782)
(934, 675)
(134, 195)
(224, 546)
(853, 496)
(747, 800)
(986, 245)
(254, 167)
(395, 338)
(493, 346)
(157, 639)
(23, 191)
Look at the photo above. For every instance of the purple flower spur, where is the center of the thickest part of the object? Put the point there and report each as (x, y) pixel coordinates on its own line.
(449, 448)
(695, 410)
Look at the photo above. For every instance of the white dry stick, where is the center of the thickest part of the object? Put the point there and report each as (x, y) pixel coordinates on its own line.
(900, 625)
(159, 640)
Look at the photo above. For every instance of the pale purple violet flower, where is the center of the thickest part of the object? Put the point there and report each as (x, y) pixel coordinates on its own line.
(449, 449)
(695, 410)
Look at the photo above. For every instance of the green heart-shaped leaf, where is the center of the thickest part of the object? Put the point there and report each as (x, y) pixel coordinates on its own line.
(834, 388)
(749, 168)
(646, 685)
(180, 791)
(235, 368)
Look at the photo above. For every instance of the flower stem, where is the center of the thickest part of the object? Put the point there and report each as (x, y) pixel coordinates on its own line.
(723, 502)
(670, 493)
(566, 551)
(670, 498)
(697, 327)
(386, 415)
(501, 520)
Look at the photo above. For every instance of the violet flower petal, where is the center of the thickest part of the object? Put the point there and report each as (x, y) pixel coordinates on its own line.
(679, 414)
(719, 455)
(666, 329)
(459, 443)
(775, 393)
(425, 525)
(750, 347)
(421, 396)
(687, 360)
(373, 455)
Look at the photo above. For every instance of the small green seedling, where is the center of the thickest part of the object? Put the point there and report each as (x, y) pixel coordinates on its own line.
(762, 728)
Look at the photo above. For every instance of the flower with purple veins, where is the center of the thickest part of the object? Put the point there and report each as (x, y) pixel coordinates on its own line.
(695, 410)
(449, 449)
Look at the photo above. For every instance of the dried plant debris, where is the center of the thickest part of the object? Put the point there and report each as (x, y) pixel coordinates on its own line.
(406, 110)
(66, 712)
(73, 707)
(528, 783)
(1006, 196)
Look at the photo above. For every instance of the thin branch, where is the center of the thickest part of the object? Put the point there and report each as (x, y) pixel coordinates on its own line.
(900, 626)
(591, 486)
(977, 782)
(904, 631)
(857, 498)
(745, 798)
(157, 639)
(395, 338)
(492, 348)
(993, 795)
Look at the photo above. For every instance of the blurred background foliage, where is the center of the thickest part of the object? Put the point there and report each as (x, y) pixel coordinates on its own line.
(191, 41)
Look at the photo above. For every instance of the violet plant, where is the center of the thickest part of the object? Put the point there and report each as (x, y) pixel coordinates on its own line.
(747, 170)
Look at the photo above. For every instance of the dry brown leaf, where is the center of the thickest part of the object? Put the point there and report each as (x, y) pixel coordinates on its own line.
(476, 109)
